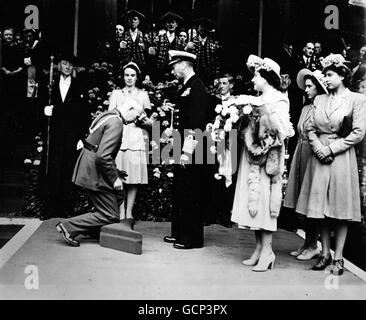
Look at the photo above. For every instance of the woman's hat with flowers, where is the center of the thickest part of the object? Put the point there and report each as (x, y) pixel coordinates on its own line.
(336, 60)
(255, 63)
(317, 74)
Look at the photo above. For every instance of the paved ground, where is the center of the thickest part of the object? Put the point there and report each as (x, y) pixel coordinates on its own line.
(161, 272)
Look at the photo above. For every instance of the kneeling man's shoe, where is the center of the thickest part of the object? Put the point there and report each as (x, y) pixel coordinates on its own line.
(169, 239)
(60, 228)
(184, 246)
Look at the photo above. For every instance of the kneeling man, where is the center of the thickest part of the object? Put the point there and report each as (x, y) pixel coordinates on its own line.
(96, 171)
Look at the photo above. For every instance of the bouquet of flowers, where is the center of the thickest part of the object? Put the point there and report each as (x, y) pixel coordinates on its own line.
(230, 116)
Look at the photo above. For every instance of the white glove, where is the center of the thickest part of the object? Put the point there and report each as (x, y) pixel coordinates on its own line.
(118, 184)
(80, 145)
(48, 110)
(27, 61)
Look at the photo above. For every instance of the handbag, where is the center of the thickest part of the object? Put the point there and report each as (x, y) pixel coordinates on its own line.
(346, 127)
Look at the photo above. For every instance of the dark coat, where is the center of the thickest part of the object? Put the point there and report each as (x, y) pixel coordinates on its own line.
(68, 125)
(96, 170)
(188, 193)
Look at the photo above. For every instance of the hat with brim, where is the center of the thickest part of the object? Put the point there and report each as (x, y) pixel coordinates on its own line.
(205, 22)
(133, 13)
(176, 56)
(170, 16)
(255, 63)
(67, 56)
(336, 60)
(317, 75)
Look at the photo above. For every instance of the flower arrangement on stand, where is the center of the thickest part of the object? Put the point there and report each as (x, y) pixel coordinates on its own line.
(154, 202)
(33, 205)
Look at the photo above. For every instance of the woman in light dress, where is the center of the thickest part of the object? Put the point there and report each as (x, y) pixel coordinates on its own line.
(132, 157)
(330, 189)
(312, 83)
(258, 194)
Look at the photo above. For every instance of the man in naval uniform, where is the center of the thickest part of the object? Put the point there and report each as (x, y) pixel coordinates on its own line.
(188, 193)
(96, 171)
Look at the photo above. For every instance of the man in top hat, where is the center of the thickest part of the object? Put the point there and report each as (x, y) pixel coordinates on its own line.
(189, 175)
(207, 50)
(133, 45)
(69, 118)
(167, 41)
(96, 171)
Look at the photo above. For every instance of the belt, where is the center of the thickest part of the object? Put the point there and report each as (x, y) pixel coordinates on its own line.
(90, 147)
(329, 135)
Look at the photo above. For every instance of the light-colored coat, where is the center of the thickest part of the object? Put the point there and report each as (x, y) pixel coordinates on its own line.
(302, 155)
(332, 190)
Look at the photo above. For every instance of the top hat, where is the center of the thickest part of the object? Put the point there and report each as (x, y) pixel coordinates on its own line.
(178, 56)
(169, 16)
(205, 22)
(67, 56)
(133, 13)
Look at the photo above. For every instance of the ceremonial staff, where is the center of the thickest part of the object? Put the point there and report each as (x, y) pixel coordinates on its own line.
(152, 23)
(192, 13)
(49, 118)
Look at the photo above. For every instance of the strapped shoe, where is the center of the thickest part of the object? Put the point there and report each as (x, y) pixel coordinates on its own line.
(60, 228)
(337, 267)
(322, 263)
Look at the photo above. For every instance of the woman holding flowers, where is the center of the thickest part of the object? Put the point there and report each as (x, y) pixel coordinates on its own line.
(258, 191)
(330, 190)
(132, 157)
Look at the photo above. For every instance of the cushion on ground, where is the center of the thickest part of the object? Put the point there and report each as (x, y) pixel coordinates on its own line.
(119, 236)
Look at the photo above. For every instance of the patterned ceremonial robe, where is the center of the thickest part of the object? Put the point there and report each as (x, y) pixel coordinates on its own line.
(207, 64)
(163, 46)
(135, 51)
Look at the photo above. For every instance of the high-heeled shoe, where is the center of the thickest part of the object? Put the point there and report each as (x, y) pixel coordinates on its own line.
(322, 263)
(297, 252)
(337, 267)
(265, 263)
(131, 222)
(308, 254)
(252, 261)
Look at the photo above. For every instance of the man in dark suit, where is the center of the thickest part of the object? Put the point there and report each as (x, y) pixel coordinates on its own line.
(189, 175)
(220, 194)
(308, 59)
(69, 119)
(96, 171)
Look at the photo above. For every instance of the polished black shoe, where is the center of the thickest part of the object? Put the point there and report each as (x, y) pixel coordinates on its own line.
(131, 222)
(185, 246)
(337, 267)
(169, 239)
(72, 242)
(322, 263)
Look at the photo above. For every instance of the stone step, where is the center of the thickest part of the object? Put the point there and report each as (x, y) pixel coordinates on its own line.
(119, 236)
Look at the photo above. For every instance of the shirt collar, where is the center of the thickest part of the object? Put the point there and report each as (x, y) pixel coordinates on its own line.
(65, 80)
